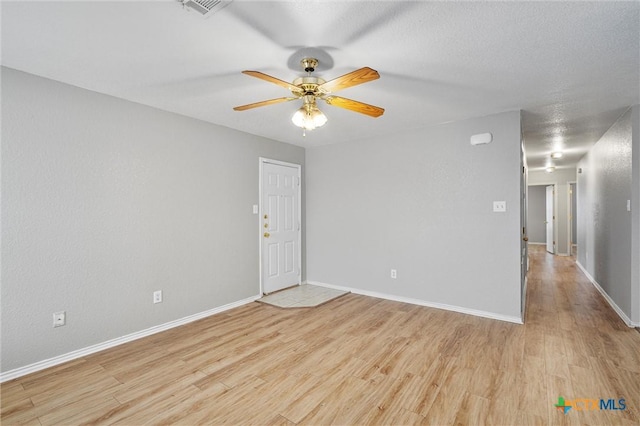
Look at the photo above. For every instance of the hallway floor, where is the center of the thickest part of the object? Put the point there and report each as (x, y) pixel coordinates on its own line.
(588, 351)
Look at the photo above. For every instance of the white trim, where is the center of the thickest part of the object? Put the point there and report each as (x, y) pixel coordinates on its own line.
(419, 302)
(524, 299)
(604, 294)
(571, 213)
(261, 162)
(41, 365)
(556, 219)
(537, 244)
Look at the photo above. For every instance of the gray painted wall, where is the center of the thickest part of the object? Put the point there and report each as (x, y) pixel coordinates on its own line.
(420, 203)
(105, 201)
(536, 214)
(604, 224)
(560, 178)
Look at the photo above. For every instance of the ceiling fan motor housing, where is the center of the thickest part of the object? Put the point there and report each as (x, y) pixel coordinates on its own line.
(309, 84)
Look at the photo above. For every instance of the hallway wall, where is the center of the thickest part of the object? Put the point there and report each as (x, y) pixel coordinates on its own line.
(607, 235)
(635, 214)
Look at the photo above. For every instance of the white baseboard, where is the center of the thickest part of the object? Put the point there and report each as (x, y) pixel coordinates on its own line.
(419, 302)
(537, 244)
(41, 365)
(604, 294)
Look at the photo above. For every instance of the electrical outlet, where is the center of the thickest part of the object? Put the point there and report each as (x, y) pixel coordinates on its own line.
(59, 319)
(157, 296)
(394, 274)
(499, 206)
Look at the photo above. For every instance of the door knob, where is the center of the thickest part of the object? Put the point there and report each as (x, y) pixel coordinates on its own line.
(267, 235)
(525, 239)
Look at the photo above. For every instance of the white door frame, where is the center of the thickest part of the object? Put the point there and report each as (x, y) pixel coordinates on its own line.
(571, 216)
(524, 223)
(555, 207)
(262, 161)
(554, 215)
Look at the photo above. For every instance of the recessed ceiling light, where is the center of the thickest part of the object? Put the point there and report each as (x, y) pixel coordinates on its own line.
(550, 169)
(556, 154)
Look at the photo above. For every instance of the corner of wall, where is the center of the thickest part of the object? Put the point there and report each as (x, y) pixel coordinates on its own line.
(635, 214)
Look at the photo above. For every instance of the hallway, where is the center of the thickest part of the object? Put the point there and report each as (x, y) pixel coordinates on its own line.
(358, 360)
(587, 349)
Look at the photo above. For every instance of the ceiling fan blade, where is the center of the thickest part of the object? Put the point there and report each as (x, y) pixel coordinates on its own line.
(270, 79)
(263, 103)
(356, 106)
(362, 75)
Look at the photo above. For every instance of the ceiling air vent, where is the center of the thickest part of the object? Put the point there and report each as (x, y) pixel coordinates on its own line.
(206, 7)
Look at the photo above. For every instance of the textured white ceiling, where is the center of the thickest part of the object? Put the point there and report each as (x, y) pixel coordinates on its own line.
(571, 67)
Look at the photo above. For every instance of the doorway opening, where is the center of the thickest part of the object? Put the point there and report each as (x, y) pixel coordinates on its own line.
(541, 216)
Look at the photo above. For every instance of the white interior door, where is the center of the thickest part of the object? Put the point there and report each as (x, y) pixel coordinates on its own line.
(280, 226)
(550, 219)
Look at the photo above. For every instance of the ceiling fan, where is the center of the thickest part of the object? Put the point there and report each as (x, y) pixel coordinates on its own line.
(310, 89)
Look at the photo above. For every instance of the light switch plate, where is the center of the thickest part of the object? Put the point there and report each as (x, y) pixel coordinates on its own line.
(628, 205)
(499, 206)
(255, 209)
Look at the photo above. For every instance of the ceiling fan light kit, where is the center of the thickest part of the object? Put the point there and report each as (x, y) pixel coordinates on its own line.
(311, 88)
(309, 116)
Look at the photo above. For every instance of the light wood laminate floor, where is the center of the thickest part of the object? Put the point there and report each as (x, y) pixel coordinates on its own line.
(357, 360)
